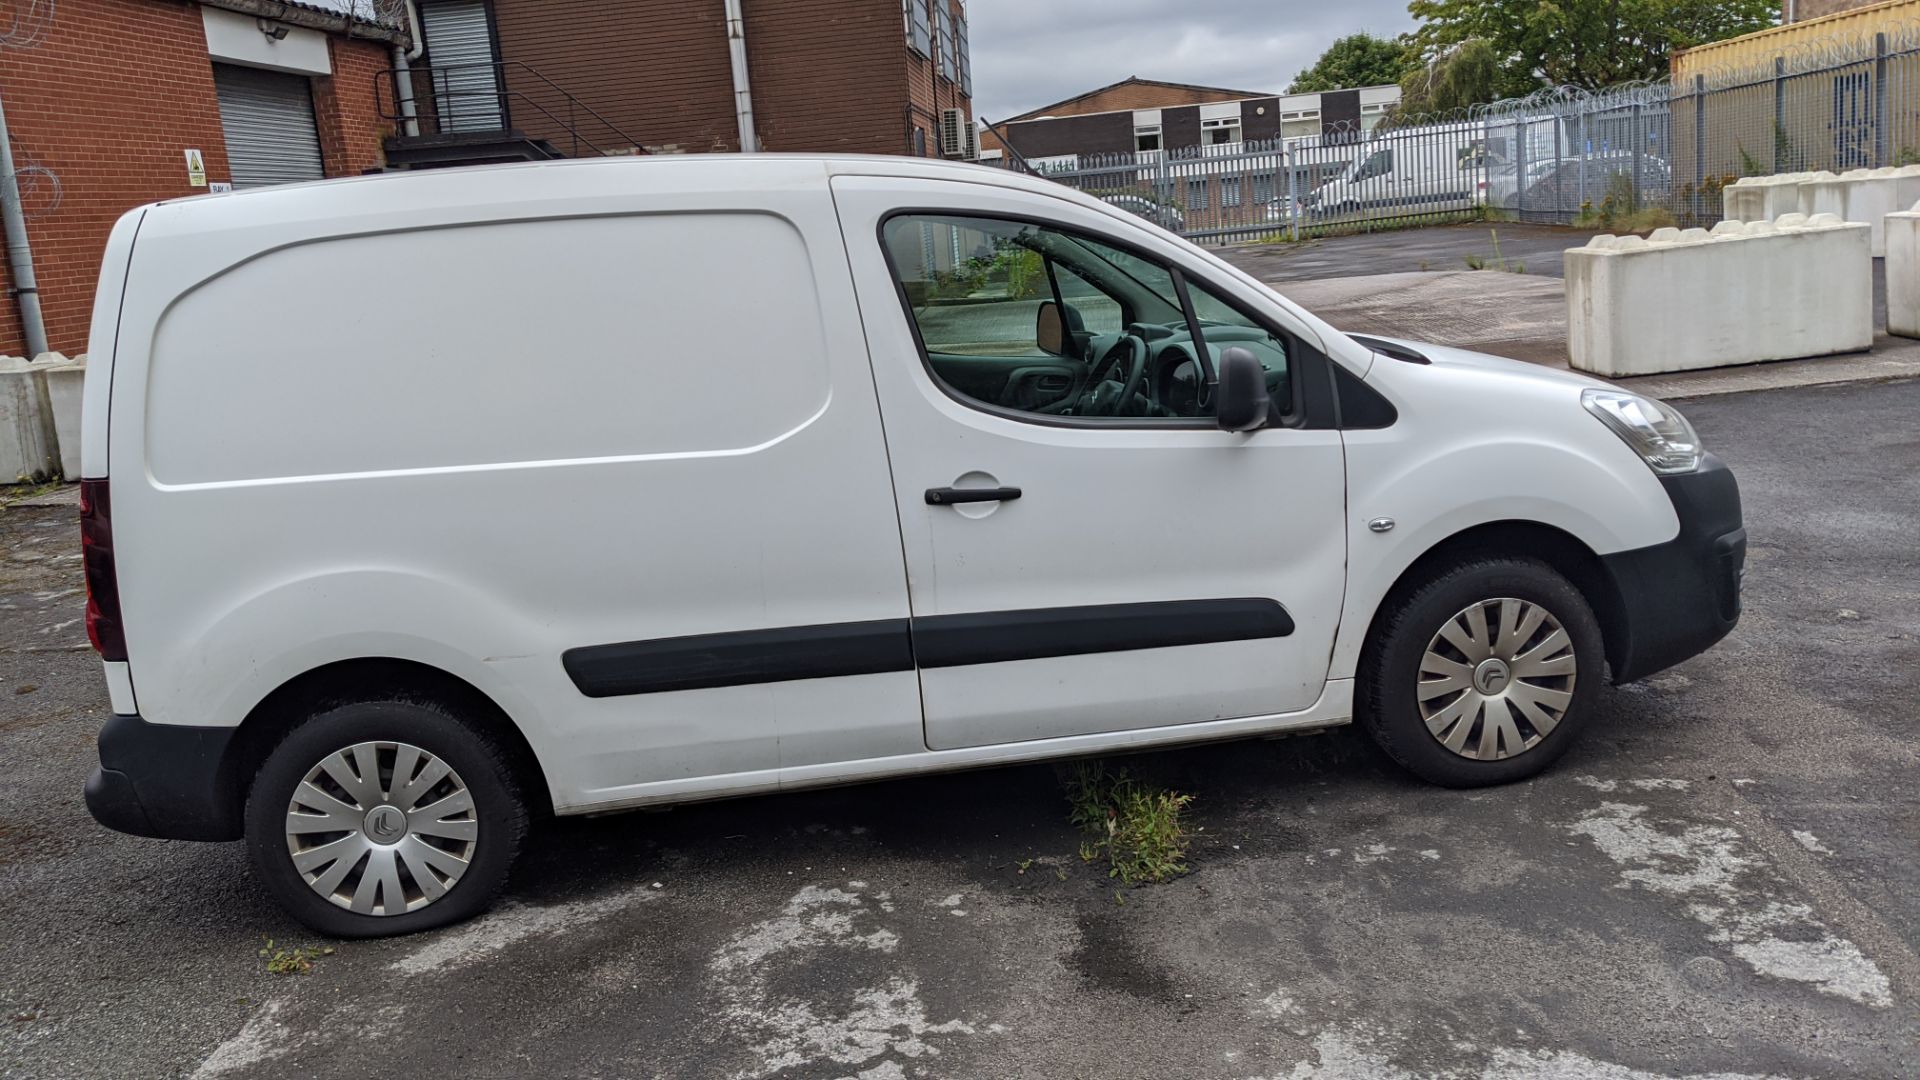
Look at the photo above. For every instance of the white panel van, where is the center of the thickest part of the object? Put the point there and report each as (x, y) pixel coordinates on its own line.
(420, 505)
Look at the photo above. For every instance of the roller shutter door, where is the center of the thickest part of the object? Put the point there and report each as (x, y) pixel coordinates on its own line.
(466, 89)
(268, 120)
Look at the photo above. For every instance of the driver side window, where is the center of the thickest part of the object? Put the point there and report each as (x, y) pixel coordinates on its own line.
(1021, 318)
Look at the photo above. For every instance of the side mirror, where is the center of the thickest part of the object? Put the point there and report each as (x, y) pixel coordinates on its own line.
(1050, 330)
(1242, 392)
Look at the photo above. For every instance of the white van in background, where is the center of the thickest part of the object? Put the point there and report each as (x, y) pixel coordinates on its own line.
(675, 478)
(1426, 169)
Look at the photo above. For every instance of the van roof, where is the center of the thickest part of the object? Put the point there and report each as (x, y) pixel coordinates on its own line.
(739, 172)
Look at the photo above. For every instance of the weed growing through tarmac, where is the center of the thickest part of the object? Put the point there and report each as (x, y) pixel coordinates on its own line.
(1498, 262)
(292, 961)
(1134, 826)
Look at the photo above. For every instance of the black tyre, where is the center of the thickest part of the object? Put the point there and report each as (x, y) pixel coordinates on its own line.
(1483, 675)
(383, 818)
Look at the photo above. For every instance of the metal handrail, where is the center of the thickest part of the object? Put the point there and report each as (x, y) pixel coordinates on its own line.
(387, 97)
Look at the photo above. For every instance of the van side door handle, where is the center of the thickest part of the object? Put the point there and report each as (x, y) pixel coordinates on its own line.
(947, 496)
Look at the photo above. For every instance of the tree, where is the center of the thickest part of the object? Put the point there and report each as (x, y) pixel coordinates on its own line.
(1465, 74)
(1589, 44)
(1355, 60)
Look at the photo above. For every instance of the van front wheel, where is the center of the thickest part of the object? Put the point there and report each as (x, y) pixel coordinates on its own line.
(1484, 675)
(382, 818)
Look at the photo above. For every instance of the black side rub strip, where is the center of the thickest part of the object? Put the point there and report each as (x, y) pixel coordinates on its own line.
(740, 658)
(993, 637)
(746, 657)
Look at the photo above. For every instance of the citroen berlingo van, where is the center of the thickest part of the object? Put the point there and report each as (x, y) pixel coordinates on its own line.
(417, 506)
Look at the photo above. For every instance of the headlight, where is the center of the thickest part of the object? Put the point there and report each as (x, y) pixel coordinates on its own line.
(1655, 430)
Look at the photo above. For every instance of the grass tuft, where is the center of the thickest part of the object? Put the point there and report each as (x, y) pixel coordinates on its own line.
(1135, 827)
(292, 961)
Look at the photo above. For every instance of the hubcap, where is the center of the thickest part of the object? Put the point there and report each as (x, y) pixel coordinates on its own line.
(381, 828)
(1496, 679)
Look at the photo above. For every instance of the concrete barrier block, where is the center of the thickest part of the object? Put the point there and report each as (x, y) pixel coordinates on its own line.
(1763, 198)
(28, 452)
(64, 379)
(1744, 292)
(1903, 272)
(1739, 201)
(1864, 195)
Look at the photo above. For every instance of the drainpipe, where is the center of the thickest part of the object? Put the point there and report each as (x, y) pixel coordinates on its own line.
(26, 289)
(403, 72)
(742, 88)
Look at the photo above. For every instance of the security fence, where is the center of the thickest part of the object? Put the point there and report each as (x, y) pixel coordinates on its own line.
(1838, 103)
(1290, 187)
(1627, 157)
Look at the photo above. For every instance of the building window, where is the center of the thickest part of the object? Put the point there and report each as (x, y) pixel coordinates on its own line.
(966, 53)
(919, 141)
(1220, 132)
(919, 37)
(1229, 191)
(1146, 138)
(1196, 194)
(1263, 185)
(949, 48)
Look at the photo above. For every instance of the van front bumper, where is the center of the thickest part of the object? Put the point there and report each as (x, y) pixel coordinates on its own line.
(1678, 598)
(164, 780)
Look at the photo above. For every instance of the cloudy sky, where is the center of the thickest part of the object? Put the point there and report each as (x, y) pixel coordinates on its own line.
(1029, 53)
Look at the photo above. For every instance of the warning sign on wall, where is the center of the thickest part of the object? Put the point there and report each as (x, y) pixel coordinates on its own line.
(196, 169)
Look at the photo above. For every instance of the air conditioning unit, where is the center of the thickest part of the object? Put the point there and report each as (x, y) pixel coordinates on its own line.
(957, 136)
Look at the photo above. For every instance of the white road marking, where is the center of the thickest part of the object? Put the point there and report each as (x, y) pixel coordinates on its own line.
(878, 1024)
(509, 925)
(1359, 1053)
(1724, 888)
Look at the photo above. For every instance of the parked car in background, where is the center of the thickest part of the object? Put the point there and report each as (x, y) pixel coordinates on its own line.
(1565, 187)
(792, 503)
(1162, 214)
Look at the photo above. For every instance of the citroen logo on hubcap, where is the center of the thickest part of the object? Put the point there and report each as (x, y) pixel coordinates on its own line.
(386, 824)
(1492, 676)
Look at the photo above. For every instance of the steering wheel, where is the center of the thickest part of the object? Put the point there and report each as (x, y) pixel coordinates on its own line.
(1098, 400)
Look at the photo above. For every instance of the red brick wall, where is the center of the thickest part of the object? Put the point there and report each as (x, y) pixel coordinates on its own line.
(346, 111)
(1142, 95)
(108, 102)
(657, 70)
(928, 91)
(827, 77)
(827, 74)
(1803, 10)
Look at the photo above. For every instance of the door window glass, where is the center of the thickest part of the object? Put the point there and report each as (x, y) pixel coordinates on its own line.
(1022, 318)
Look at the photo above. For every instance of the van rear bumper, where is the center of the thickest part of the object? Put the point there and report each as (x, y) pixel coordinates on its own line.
(1678, 598)
(164, 780)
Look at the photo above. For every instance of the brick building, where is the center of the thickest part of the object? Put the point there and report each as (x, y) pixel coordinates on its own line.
(1148, 115)
(105, 106)
(1793, 11)
(531, 78)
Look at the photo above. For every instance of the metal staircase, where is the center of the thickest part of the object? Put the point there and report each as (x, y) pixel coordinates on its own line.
(472, 114)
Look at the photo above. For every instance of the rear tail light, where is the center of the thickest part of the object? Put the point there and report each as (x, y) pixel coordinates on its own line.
(103, 584)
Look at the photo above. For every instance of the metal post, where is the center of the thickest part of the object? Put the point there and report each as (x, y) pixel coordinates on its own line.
(26, 288)
(1879, 99)
(1779, 112)
(1699, 143)
(403, 93)
(742, 87)
(1639, 147)
(1522, 131)
(1580, 174)
(1293, 189)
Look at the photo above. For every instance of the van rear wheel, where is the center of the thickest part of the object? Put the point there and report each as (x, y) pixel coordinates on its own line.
(1484, 675)
(383, 818)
